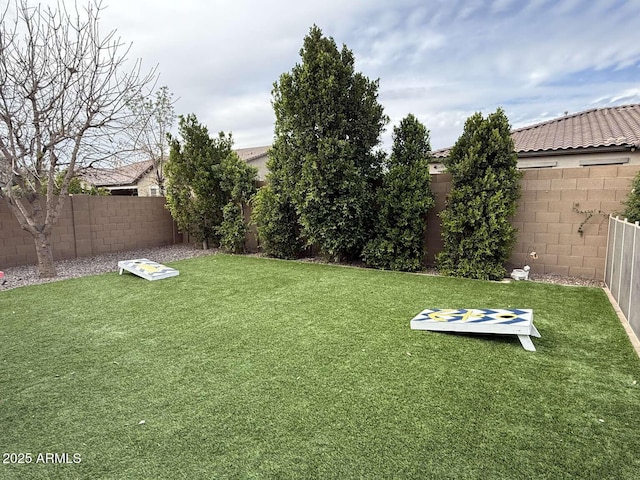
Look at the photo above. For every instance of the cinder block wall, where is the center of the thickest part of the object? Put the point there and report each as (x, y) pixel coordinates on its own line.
(549, 219)
(90, 226)
(126, 223)
(547, 222)
(440, 186)
(16, 245)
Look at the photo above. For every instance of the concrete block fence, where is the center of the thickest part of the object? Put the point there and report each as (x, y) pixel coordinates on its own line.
(90, 225)
(562, 216)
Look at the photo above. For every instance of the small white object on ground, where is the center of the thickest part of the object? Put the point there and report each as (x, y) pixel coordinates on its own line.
(521, 273)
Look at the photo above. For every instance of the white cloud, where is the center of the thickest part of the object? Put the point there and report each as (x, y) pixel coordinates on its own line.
(441, 60)
(630, 95)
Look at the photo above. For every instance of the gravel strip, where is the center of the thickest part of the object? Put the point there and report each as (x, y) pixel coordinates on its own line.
(81, 267)
(534, 277)
(546, 278)
(572, 281)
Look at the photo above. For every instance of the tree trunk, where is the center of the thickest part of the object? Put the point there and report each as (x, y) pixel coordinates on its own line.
(205, 244)
(46, 267)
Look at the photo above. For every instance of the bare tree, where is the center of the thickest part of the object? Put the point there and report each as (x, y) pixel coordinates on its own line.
(147, 135)
(64, 91)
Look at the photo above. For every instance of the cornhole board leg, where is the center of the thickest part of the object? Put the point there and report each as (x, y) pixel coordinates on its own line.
(517, 322)
(534, 331)
(525, 340)
(147, 269)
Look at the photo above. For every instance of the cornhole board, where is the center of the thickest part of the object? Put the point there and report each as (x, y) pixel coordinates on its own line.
(500, 321)
(147, 269)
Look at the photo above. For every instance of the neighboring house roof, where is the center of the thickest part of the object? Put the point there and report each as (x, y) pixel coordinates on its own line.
(111, 177)
(249, 154)
(130, 174)
(609, 128)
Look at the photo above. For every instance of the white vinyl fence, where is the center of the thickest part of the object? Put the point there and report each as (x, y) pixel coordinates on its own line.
(622, 271)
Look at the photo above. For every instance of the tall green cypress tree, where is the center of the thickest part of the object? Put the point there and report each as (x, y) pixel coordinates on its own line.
(328, 121)
(207, 184)
(404, 201)
(476, 230)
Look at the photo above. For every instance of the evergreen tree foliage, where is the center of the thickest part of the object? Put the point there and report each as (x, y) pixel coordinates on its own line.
(277, 223)
(404, 201)
(233, 228)
(476, 230)
(274, 213)
(328, 121)
(238, 180)
(632, 205)
(207, 184)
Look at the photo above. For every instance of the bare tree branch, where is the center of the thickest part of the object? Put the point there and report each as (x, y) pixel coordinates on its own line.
(64, 96)
(146, 136)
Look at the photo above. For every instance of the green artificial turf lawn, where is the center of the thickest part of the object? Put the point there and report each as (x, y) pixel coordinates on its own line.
(244, 367)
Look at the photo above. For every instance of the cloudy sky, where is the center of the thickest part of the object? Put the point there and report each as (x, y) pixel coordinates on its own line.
(441, 60)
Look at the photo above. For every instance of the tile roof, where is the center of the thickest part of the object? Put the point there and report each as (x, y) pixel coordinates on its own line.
(131, 173)
(600, 127)
(111, 177)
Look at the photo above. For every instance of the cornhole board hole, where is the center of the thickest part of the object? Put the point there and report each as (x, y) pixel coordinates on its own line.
(500, 321)
(147, 269)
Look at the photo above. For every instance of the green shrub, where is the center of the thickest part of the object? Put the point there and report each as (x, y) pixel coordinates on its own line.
(403, 202)
(204, 175)
(476, 230)
(233, 229)
(277, 224)
(632, 205)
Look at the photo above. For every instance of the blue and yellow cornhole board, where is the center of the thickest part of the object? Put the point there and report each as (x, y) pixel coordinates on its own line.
(147, 269)
(500, 321)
